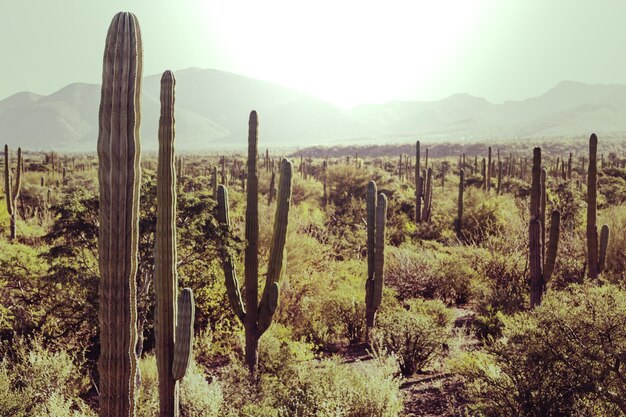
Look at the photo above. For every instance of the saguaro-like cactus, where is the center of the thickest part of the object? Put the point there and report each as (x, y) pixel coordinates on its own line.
(172, 338)
(257, 316)
(596, 256)
(418, 184)
(459, 218)
(428, 195)
(12, 188)
(541, 266)
(119, 175)
(376, 221)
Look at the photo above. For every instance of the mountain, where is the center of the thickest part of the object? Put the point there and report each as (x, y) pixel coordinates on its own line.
(212, 110)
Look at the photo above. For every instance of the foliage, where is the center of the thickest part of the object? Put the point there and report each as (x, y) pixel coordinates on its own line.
(416, 333)
(563, 358)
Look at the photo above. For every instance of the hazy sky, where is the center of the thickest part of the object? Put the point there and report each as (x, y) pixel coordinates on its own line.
(344, 51)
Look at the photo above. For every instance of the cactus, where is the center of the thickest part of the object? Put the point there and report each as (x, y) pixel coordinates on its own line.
(324, 182)
(459, 218)
(119, 177)
(376, 205)
(418, 184)
(172, 338)
(12, 188)
(489, 170)
(499, 189)
(541, 263)
(428, 195)
(596, 256)
(256, 317)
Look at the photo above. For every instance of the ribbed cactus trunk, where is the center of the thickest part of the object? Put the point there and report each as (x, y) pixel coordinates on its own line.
(12, 188)
(173, 323)
(489, 171)
(499, 189)
(428, 195)
(119, 176)
(257, 316)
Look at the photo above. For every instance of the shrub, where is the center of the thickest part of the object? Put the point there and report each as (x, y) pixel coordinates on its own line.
(565, 358)
(198, 398)
(416, 335)
(35, 381)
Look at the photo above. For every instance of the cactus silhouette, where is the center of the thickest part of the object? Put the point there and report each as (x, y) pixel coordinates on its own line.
(596, 256)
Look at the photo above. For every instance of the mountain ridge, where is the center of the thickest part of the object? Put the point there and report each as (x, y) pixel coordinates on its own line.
(212, 107)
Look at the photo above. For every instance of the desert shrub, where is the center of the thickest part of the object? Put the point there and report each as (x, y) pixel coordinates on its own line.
(198, 398)
(564, 358)
(291, 383)
(615, 217)
(35, 381)
(305, 190)
(415, 334)
(483, 216)
(445, 274)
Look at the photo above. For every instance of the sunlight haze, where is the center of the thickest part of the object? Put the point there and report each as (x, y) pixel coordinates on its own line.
(345, 52)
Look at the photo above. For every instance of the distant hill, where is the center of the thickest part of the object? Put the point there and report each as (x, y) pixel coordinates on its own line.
(212, 109)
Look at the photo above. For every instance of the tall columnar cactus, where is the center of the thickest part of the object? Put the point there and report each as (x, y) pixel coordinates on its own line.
(214, 181)
(12, 188)
(541, 266)
(459, 218)
(489, 170)
(170, 339)
(596, 254)
(271, 194)
(376, 205)
(324, 182)
(428, 195)
(499, 189)
(257, 316)
(418, 184)
(119, 175)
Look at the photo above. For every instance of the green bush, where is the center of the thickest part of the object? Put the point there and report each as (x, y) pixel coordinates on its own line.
(35, 381)
(292, 383)
(416, 335)
(565, 358)
(198, 398)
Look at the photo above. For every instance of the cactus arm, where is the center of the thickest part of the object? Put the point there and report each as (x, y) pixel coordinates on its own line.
(552, 247)
(184, 334)
(119, 177)
(232, 283)
(165, 274)
(277, 248)
(604, 244)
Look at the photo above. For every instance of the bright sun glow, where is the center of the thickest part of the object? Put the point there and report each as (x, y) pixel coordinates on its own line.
(347, 52)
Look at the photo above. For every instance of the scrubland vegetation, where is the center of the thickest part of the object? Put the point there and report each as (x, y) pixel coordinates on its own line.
(473, 284)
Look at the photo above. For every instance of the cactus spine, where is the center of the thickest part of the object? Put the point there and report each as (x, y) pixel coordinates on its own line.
(376, 206)
(257, 316)
(541, 264)
(119, 176)
(12, 188)
(172, 338)
(596, 256)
